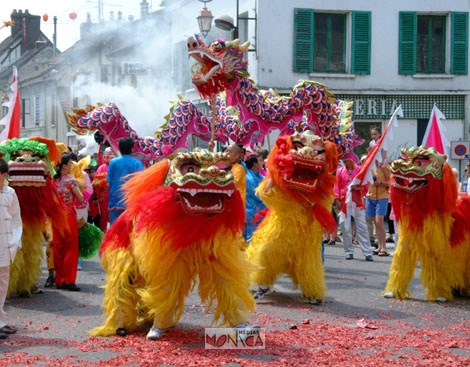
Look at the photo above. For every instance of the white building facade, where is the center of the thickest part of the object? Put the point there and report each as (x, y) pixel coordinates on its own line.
(378, 54)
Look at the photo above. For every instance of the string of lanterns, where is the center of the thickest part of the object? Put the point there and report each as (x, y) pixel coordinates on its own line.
(72, 16)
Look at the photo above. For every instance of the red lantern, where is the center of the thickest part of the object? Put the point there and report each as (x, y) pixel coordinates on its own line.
(73, 15)
(45, 17)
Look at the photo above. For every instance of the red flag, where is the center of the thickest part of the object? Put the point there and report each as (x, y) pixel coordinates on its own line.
(365, 176)
(12, 119)
(434, 136)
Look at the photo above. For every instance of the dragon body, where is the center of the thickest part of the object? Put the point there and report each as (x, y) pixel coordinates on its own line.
(298, 194)
(241, 112)
(434, 226)
(183, 222)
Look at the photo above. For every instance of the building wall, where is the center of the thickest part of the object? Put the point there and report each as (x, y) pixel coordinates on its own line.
(384, 84)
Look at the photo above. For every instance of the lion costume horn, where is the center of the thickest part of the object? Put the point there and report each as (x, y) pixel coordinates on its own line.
(54, 154)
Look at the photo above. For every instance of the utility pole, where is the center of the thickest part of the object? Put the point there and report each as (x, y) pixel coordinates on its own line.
(100, 11)
(54, 37)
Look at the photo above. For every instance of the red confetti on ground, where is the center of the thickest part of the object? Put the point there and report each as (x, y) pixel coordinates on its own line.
(388, 343)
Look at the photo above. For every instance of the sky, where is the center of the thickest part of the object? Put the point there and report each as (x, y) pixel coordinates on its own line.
(68, 30)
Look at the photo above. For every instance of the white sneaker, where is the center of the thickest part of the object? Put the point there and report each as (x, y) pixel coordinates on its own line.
(388, 294)
(441, 299)
(261, 292)
(311, 301)
(155, 333)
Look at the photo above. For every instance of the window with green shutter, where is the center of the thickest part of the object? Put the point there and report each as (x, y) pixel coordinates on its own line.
(407, 43)
(459, 43)
(303, 40)
(361, 42)
(320, 42)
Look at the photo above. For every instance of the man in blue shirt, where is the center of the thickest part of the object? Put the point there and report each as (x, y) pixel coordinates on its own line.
(118, 170)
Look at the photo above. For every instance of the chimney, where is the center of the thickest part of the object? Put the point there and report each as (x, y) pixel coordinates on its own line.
(87, 27)
(144, 9)
(111, 16)
(119, 16)
(28, 26)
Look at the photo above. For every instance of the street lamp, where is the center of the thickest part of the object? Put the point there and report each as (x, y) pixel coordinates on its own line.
(205, 19)
(226, 22)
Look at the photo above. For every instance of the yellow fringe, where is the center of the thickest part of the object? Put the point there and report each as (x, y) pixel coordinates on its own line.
(151, 280)
(169, 275)
(120, 295)
(440, 269)
(26, 269)
(461, 256)
(289, 241)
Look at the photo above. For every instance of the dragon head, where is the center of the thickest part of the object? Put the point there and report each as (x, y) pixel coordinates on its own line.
(303, 163)
(202, 186)
(217, 64)
(417, 168)
(422, 182)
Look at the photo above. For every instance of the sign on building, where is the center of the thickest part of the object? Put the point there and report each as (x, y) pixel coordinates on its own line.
(133, 68)
(460, 149)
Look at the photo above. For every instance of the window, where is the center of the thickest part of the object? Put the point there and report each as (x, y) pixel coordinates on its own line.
(422, 44)
(37, 111)
(329, 42)
(422, 126)
(320, 42)
(25, 110)
(104, 74)
(431, 44)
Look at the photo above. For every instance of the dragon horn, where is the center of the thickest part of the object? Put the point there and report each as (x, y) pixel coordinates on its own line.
(54, 154)
(233, 44)
(244, 46)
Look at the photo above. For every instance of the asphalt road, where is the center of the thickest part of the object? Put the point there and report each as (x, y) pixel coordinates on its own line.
(355, 326)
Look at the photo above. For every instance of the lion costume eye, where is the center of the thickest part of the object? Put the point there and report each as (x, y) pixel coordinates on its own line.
(189, 167)
(297, 145)
(421, 162)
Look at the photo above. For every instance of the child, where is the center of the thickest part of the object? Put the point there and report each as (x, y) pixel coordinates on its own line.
(11, 229)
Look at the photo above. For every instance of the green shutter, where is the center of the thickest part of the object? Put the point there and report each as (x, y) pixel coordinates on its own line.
(303, 40)
(407, 43)
(459, 43)
(361, 45)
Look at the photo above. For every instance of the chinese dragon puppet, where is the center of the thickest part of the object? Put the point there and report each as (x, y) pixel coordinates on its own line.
(183, 222)
(298, 193)
(241, 112)
(434, 226)
(30, 165)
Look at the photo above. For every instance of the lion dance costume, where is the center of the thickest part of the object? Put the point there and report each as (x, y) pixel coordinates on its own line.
(30, 166)
(184, 219)
(434, 226)
(298, 193)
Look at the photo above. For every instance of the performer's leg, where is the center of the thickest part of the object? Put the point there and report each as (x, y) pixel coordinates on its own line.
(167, 287)
(120, 296)
(438, 277)
(401, 271)
(309, 272)
(225, 279)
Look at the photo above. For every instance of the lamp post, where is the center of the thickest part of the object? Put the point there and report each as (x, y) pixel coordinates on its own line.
(205, 19)
(226, 22)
